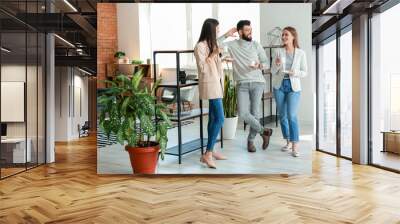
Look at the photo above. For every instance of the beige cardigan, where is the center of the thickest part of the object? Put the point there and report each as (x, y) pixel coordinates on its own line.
(211, 76)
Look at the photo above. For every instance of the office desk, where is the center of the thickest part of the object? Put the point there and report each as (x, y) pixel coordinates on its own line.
(13, 150)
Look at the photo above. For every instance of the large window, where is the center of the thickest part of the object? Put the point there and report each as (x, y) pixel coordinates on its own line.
(346, 93)
(385, 84)
(327, 96)
(162, 30)
(230, 14)
(335, 137)
(199, 12)
(168, 30)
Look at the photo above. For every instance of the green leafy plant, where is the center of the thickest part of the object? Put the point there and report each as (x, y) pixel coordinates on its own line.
(119, 54)
(137, 62)
(132, 114)
(230, 96)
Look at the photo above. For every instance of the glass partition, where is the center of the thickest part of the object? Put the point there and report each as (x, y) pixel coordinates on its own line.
(22, 92)
(14, 153)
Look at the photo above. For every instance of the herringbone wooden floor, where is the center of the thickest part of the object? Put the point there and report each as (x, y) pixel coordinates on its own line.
(70, 191)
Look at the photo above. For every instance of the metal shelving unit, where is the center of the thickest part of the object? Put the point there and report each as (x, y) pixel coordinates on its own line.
(191, 146)
(269, 95)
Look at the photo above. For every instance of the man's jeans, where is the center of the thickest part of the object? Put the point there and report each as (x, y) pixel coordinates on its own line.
(287, 102)
(249, 96)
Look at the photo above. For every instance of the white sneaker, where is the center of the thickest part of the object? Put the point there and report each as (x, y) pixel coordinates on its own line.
(285, 148)
(295, 153)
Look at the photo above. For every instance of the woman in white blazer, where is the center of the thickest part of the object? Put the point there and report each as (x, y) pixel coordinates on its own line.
(288, 67)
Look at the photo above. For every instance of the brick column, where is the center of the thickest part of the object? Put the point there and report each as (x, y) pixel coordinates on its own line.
(107, 38)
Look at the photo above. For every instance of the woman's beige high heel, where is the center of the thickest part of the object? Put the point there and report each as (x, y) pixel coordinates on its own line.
(218, 156)
(209, 162)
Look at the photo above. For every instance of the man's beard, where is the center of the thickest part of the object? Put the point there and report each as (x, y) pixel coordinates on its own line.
(247, 38)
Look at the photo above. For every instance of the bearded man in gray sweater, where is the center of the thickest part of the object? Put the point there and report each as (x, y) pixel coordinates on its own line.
(249, 59)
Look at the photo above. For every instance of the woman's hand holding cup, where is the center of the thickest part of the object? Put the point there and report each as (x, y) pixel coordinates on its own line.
(278, 61)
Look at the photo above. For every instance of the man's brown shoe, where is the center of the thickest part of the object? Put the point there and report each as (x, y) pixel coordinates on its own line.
(265, 136)
(251, 147)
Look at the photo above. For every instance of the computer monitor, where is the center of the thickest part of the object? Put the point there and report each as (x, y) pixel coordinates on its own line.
(3, 130)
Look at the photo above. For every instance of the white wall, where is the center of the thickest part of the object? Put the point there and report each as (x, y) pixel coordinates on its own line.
(128, 29)
(68, 83)
(33, 126)
(17, 73)
(144, 31)
(79, 117)
(61, 103)
(299, 17)
(50, 95)
(14, 73)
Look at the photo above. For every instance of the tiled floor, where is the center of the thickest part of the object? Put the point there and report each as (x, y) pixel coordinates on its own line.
(114, 160)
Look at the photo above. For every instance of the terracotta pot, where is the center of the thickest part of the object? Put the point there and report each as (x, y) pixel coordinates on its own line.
(126, 60)
(144, 159)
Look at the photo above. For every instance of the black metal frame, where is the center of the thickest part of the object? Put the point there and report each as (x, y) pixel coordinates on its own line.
(44, 76)
(317, 97)
(270, 118)
(369, 96)
(182, 148)
(338, 96)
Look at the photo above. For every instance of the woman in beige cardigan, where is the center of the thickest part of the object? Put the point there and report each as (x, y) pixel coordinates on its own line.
(211, 79)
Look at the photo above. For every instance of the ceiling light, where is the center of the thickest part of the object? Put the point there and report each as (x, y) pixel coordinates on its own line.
(64, 40)
(5, 50)
(337, 7)
(326, 11)
(84, 71)
(70, 5)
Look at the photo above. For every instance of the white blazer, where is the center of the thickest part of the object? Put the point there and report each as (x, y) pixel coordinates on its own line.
(299, 68)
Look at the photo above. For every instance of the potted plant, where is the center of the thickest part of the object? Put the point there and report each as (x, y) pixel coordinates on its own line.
(119, 57)
(137, 62)
(230, 107)
(132, 114)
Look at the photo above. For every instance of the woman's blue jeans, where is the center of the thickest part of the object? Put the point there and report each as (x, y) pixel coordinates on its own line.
(215, 121)
(287, 102)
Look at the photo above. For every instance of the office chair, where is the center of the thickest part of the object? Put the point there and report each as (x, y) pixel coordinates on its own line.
(84, 130)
